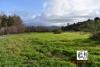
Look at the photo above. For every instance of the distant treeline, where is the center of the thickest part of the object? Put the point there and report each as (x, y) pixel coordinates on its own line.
(11, 24)
(91, 25)
(41, 28)
(14, 24)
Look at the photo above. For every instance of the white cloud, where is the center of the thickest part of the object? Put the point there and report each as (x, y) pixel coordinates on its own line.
(56, 7)
(70, 10)
(60, 12)
(69, 7)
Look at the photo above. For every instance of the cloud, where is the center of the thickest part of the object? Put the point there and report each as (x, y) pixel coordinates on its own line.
(61, 12)
(70, 7)
(69, 11)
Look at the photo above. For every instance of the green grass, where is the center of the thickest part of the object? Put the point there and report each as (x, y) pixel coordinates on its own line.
(47, 50)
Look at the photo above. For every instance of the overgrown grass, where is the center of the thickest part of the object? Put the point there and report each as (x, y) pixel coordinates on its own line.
(47, 50)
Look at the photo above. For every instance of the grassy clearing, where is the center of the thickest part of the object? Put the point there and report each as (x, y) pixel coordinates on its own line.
(47, 50)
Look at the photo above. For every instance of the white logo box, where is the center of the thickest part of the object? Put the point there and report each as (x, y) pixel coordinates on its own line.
(82, 55)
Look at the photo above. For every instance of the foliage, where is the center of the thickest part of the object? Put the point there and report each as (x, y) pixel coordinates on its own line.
(96, 36)
(47, 50)
(11, 24)
(90, 25)
(57, 31)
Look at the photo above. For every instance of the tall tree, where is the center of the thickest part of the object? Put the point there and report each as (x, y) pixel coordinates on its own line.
(17, 21)
(96, 24)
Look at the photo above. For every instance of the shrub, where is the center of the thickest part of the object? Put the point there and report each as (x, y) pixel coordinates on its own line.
(54, 63)
(95, 36)
(57, 31)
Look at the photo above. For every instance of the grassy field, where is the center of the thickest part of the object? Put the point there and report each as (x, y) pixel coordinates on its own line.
(47, 50)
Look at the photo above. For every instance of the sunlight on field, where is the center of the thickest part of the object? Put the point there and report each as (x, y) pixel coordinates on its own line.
(47, 49)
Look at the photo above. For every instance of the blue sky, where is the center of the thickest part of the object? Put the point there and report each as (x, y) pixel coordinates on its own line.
(51, 12)
(32, 6)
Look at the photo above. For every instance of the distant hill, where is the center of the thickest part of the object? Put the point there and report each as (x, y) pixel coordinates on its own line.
(87, 26)
(41, 28)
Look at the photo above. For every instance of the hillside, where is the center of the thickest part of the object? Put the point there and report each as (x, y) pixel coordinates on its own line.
(47, 50)
(90, 25)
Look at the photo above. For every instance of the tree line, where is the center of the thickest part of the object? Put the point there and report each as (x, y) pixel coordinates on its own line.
(90, 25)
(14, 24)
(11, 24)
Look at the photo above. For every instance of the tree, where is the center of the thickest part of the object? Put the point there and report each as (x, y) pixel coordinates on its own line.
(3, 20)
(11, 24)
(57, 31)
(90, 25)
(18, 23)
(96, 24)
(10, 21)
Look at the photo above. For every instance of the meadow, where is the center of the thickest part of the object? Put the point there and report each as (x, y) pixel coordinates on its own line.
(47, 50)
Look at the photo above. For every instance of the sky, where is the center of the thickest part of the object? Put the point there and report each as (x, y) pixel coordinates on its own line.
(51, 12)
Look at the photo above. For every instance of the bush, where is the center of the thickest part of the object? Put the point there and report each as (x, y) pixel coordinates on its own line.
(57, 31)
(96, 36)
(54, 63)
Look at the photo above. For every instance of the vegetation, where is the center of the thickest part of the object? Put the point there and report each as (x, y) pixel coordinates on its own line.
(41, 28)
(96, 37)
(57, 31)
(11, 24)
(47, 50)
(92, 26)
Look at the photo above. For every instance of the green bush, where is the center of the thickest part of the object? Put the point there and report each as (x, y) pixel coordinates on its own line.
(96, 37)
(54, 63)
(57, 31)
